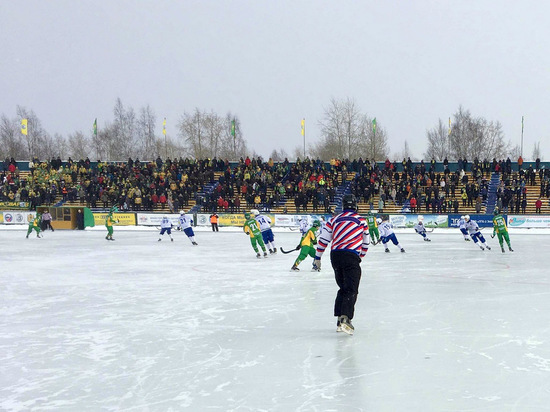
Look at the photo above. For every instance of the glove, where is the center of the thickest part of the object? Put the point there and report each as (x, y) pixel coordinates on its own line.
(298, 247)
(317, 263)
(492, 236)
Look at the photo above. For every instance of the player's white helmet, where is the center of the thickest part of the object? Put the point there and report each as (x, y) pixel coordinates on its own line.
(255, 212)
(378, 220)
(182, 212)
(420, 218)
(462, 217)
(467, 218)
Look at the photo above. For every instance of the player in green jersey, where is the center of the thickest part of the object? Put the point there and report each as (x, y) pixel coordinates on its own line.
(307, 246)
(373, 228)
(500, 229)
(109, 222)
(252, 228)
(35, 225)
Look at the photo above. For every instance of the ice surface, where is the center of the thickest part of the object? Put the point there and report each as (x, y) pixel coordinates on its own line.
(141, 325)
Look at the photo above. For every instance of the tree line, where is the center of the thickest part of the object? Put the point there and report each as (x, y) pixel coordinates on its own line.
(346, 132)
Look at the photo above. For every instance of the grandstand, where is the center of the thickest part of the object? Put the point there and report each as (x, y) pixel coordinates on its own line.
(293, 188)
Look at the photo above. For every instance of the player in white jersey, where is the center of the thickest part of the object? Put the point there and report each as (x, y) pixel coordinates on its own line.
(475, 233)
(265, 228)
(304, 225)
(185, 223)
(387, 234)
(462, 227)
(421, 229)
(165, 227)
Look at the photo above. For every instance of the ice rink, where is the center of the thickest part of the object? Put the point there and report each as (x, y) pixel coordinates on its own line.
(141, 325)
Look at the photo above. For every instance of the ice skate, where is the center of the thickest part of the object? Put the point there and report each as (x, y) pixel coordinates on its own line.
(387, 251)
(488, 247)
(258, 255)
(270, 251)
(427, 240)
(294, 268)
(481, 247)
(339, 326)
(171, 239)
(467, 239)
(402, 250)
(345, 324)
(159, 240)
(265, 254)
(502, 248)
(274, 250)
(195, 243)
(510, 249)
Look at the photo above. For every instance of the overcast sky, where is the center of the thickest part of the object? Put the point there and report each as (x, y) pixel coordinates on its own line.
(272, 63)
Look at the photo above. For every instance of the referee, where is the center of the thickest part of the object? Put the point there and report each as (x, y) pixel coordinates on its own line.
(349, 234)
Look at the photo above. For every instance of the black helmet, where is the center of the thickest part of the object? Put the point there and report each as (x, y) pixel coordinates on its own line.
(496, 211)
(349, 202)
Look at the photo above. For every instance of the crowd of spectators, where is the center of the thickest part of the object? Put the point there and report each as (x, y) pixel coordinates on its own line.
(514, 185)
(131, 185)
(253, 183)
(420, 187)
(265, 185)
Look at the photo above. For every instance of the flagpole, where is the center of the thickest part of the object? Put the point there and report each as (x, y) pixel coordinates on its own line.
(521, 151)
(304, 134)
(165, 145)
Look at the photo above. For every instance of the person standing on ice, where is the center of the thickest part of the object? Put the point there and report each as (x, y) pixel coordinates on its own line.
(462, 227)
(474, 232)
(35, 225)
(421, 229)
(349, 234)
(265, 228)
(387, 234)
(304, 225)
(109, 222)
(165, 227)
(307, 246)
(252, 229)
(373, 228)
(500, 229)
(185, 225)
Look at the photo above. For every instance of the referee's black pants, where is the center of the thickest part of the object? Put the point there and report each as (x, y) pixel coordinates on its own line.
(347, 271)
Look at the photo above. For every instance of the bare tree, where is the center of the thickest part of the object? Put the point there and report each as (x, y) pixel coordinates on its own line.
(11, 144)
(536, 152)
(340, 130)
(278, 156)
(373, 141)
(470, 137)
(209, 135)
(405, 153)
(348, 133)
(35, 139)
(78, 146)
(145, 132)
(233, 145)
(191, 131)
(438, 142)
(124, 128)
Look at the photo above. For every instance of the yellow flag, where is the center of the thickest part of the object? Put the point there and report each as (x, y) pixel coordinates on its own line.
(24, 126)
(303, 127)
(164, 127)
